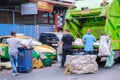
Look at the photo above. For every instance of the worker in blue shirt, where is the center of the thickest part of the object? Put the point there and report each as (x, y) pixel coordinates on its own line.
(88, 40)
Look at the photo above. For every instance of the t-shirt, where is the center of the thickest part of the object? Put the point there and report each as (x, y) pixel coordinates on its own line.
(88, 42)
(67, 40)
(13, 44)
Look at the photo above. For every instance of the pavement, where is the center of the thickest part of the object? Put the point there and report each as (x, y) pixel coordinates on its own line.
(56, 73)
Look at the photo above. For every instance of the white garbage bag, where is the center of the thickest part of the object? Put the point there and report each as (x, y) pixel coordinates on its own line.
(104, 47)
(78, 41)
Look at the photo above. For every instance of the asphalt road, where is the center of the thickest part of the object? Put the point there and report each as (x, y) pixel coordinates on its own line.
(56, 73)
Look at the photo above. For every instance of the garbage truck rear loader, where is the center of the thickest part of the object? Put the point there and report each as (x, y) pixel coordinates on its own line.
(101, 16)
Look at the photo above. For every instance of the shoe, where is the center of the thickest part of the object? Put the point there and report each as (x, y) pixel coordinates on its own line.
(62, 66)
(15, 74)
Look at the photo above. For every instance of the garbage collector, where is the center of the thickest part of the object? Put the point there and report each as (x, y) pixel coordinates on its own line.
(88, 40)
(13, 44)
(67, 40)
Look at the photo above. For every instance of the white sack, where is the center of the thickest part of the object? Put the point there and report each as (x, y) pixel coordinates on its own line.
(78, 41)
(104, 47)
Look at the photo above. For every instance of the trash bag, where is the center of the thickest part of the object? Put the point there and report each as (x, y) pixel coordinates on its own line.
(35, 54)
(37, 63)
(110, 59)
(47, 61)
(78, 42)
(80, 64)
(104, 46)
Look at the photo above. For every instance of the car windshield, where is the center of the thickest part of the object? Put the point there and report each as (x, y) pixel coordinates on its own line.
(30, 40)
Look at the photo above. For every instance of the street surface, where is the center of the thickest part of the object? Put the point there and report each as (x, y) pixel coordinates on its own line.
(56, 73)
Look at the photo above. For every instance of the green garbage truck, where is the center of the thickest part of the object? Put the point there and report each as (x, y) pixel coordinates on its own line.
(101, 16)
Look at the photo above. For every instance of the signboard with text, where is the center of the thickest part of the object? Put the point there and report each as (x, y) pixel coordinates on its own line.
(29, 8)
(44, 6)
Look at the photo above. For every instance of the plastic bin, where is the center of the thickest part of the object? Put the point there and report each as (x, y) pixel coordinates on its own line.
(25, 60)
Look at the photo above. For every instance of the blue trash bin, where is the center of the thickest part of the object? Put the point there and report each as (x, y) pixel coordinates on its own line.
(25, 60)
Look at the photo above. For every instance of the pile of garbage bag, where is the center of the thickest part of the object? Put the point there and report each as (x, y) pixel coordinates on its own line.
(80, 64)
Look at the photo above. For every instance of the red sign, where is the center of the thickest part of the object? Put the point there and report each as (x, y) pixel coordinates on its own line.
(44, 6)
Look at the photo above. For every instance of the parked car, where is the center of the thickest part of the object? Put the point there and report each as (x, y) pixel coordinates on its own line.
(50, 38)
(38, 47)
